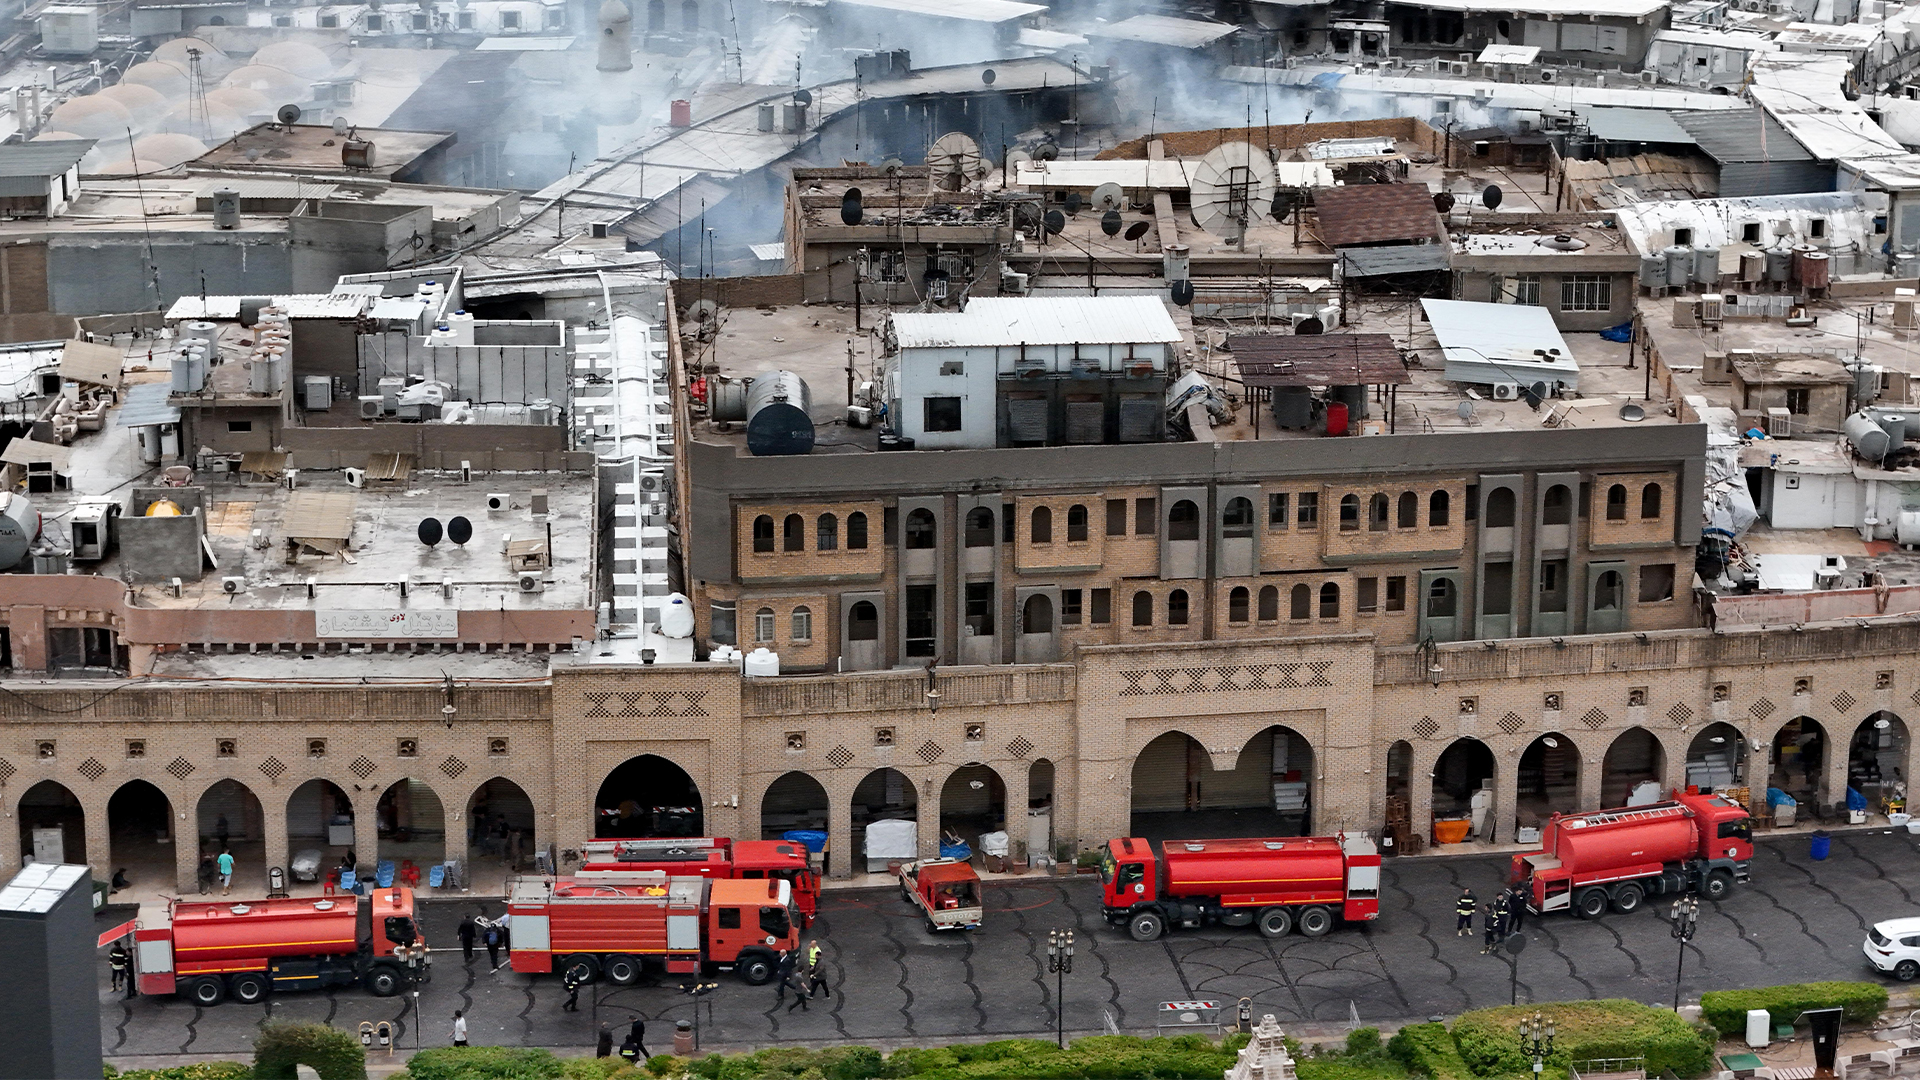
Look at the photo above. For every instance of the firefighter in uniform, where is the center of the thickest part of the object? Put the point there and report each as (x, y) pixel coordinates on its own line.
(572, 980)
(1491, 919)
(1463, 909)
(117, 961)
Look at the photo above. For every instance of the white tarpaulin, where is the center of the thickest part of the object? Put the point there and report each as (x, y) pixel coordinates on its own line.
(993, 843)
(893, 840)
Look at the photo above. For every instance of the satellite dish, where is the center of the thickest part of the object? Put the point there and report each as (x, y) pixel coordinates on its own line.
(1017, 159)
(459, 530)
(1183, 292)
(803, 96)
(1541, 391)
(893, 164)
(1230, 188)
(1443, 201)
(1109, 197)
(1465, 409)
(1492, 196)
(1310, 325)
(1055, 221)
(850, 209)
(1531, 395)
(953, 160)
(1073, 202)
(1137, 230)
(339, 125)
(430, 531)
(987, 77)
(1027, 217)
(1110, 223)
(1046, 151)
(288, 114)
(1632, 413)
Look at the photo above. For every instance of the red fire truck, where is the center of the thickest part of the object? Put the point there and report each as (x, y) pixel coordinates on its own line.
(612, 924)
(1276, 884)
(212, 951)
(710, 857)
(1618, 858)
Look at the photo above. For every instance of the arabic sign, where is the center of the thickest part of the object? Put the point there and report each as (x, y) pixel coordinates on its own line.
(386, 624)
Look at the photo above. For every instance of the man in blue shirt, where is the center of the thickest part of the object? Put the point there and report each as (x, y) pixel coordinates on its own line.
(225, 865)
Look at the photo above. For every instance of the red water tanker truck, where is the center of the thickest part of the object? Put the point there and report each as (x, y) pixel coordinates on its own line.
(710, 857)
(614, 926)
(1278, 885)
(1617, 858)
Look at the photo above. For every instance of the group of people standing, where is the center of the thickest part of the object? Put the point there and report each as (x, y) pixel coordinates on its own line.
(1499, 917)
(803, 981)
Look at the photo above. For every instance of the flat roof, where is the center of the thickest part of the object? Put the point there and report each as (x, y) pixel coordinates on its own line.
(1636, 125)
(1009, 321)
(1318, 360)
(315, 148)
(986, 11)
(1521, 55)
(1164, 30)
(1477, 333)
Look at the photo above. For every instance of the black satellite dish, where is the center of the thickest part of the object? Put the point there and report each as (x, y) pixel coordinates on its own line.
(1310, 325)
(1443, 201)
(1110, 223)
(988, 76)
(430, 531)
(1046, 151)
(459, 530)
(1137, 230)
(1027, 217)
(803, 96)
(1492, 196)
(1073, 202)
(1183, 292)
(288, 114)
(850, 210)
(1055, 222)
(1536, 394)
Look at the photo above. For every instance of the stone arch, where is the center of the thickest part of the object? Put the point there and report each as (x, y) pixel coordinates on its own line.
(794, 800)
(648, 795)
(977, 527)
(973, 801)
(410, 820)
(1876, 756)
(228, 815)
(1264, 789)
(1797, 756)
(1500, 506)
(500, 825)
(1464, 776)
(52, 805)
(1717, 758)
(141, 833)
(690, 15)
(885, 794)
(1399, 771)
(656, 16)
(1549, 778)
(1634, 758)
(318, 812)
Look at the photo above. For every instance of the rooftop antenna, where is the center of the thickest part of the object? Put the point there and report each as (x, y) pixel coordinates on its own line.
(199, 123)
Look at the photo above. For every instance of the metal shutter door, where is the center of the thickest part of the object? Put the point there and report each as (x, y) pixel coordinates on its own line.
(1027, 420)
(1139, 419)
(1086, 421)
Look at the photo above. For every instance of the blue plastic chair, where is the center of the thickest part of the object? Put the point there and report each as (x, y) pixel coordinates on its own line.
(436, 874)
(347, 880)
(383, 874)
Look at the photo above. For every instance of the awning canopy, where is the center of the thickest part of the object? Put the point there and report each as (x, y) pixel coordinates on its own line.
(1318, 360)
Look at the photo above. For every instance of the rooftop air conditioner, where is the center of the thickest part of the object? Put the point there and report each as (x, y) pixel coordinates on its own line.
(532, 582)
(1548, 75)
(371, 406)
(1506, 391)
(1779, 423)
(652, 482)
(1649, 76)
(233, 585)
(499, 502)
(356, 478)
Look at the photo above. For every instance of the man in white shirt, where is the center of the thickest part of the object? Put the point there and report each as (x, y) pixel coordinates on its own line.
(459, 1028)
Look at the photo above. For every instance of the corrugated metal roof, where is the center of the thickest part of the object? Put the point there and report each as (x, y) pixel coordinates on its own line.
(146, 405)
(1164, 30)
(987, 11)
(49, 158)
(775, 252)
(299, 306)
(1395, 259)
(1805, 95)
(525, 44)
(1034, 320)
(1636, 126)
(1372, 213)
(1740, 135)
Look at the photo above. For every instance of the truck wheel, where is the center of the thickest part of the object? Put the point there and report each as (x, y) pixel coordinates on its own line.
(622, 970)
(582, 966)
(384, 981)
(1238, 917)
(1147, 926)
(248, 989)
(207, 991)
(755, 969)
(1315, 922)
(1591, 904)
(1627, 898)
(1718, 885)
(1905, 970)
(1275, 922)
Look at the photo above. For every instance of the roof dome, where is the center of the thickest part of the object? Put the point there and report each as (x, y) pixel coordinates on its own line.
(278, 84)
(240, 101)
(296, 56)
(144, 102)
(166, 78)
(92, 117)
(221, 121)
(213, 62)
(134, 167)
(168, 149)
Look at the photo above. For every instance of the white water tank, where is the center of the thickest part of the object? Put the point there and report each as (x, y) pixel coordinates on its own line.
(1759, 1028)
(461, 323)
(1175, 263)
(1679, 265)
(761, 661)
(1906, 529)
(1868, 438)
(1706, 266)
(676, 618)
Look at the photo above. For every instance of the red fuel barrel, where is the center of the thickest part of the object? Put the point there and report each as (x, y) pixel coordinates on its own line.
(1336, 418)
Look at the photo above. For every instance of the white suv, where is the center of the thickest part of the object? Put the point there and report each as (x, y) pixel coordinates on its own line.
(1894, 947)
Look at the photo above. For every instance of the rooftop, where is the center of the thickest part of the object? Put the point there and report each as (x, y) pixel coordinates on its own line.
(317, 148)
(1026, 320)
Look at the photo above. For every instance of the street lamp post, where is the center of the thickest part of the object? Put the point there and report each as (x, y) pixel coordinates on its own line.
(1059, 963)
(1685, 919)
(1536, 1039)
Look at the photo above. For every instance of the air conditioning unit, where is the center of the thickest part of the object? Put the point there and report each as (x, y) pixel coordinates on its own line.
(174, 586)
(232, 585)
(1462, 67)
(1712, 309)
(654, 482)
(1779, 423)
(1548, 75)
(499, 502)
(1649, 76)
(1506, 391)
(371, 406)
(356, 478)
(1490, 72)
(532, 582)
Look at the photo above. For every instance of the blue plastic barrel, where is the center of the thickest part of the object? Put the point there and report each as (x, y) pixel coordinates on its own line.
(1822, 843)
(814, 839)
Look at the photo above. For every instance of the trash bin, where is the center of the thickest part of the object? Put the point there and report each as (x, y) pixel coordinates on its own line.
(682, 1038)
(1822, 843)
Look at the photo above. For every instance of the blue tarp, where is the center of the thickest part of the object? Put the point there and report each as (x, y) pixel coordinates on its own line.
(1327, 80)
(955, 851)
(1776, 797)
(1855, 800)
(814, 839)
(1622, 333)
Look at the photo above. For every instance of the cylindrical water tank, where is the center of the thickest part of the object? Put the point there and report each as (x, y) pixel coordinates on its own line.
(726, 398)
(616, 34)
(680, 113)
(1679, 265)
(760, 662)
(1706, 266)
(1895, 425)
(1779, 265)
(19, 528)
(1653, 272)
(1293, 407)
(250, 309)
(777, 419)
(676, 617)
(1866, 380)
(1175, 264)
(1753, 266)
(199, 330)
(1813, 268)
(1866, 436)
(766, 116)
(1355, 399)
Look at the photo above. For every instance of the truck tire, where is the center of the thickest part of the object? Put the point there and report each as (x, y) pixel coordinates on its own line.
(248, 988)
(1147, 926)
(1275, 922)
(1236, 917)
(755, 969)
(1591, 903)
(584, 966)
(384, 980)
(1627, 898)
(1717, 886)
(207, 991)
(621, 969)
(1315, 921)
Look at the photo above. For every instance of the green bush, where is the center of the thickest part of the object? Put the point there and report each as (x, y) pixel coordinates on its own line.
(1727, 1009)
(334, 1054)
(666, 1065)
(1343, 1068)
(593, 1068)
(1489, 1043)
(205, 1070)
(1364, 1040)
(485, 1063)
(1428, 1050)
(852, 1063)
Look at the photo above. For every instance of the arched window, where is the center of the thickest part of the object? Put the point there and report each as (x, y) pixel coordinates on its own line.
(1349, 513)
(656, 16)
(803, 623)
(1556, 506)
(1076, 524)
(1177, 608)
(1183, 521)
(1042, 531)
(1377, 513)
(863, 622)
(1617, 503)
(1300, 602)
(979, 530)
(1650, 501)
(920, 529)
(763, 624)
(1330, 601)
(1409, 513)
(793, 533)
(1036, 616)
(1143, 608)
(1500, 508)
(1237, 604)
(763, 533)
(689, 14)
(1269, 603)
(1440, 599)
(1237, 519)
(856, 531)
(826, 533)
(1606, 591)
(1437, 510)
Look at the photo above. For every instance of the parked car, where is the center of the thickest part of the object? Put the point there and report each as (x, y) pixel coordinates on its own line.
(1894, 947)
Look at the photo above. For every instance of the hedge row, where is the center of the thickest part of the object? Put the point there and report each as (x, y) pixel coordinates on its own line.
(1726, 1010)
(1489, 1043)
(333, 1053)
(1427, 1050)
(205, 1070)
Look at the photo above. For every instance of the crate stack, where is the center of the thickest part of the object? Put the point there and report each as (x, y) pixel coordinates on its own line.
(1400, 827)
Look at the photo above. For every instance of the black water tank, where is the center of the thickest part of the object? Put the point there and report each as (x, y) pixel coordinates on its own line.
(777, 419)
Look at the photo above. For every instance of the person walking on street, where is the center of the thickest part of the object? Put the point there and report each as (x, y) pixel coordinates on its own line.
(604, 1046)
(800, 992)
(459, 1027)
(225, 865)
(1491, 921)
(468, 932)
(572, 980)
(638, 1037)
(817, 977)
(782, 977)
(1463, 909)
(493, 946)
(117, 961)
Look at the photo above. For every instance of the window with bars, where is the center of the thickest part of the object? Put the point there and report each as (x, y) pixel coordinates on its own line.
(1526, 289)
(1586, 292)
